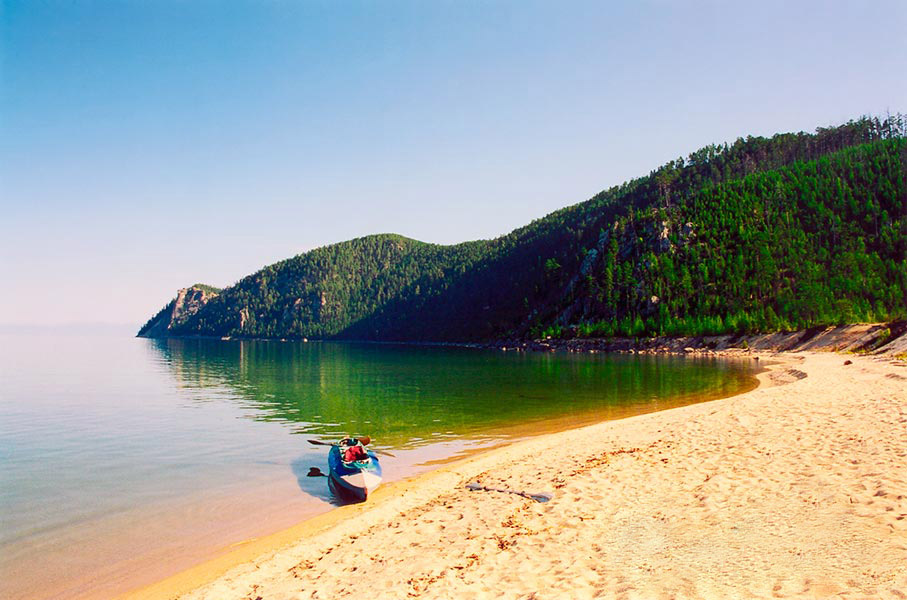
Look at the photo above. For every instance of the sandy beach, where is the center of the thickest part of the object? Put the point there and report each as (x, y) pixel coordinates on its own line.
(797, 489)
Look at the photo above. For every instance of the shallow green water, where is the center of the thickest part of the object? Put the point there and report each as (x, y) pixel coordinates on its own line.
(409, 395)
(101, 436)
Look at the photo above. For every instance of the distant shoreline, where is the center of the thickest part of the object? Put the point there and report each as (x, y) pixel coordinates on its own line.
(884, 339)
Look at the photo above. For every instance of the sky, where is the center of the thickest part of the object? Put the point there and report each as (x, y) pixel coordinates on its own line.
(146, 146)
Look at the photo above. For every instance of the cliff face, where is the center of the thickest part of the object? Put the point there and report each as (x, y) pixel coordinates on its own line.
(188, 301)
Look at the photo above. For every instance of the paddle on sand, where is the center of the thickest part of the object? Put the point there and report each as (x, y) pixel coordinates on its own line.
(539, 497)
(381, 452)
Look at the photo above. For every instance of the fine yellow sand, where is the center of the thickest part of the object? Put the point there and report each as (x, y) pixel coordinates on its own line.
(797, 489)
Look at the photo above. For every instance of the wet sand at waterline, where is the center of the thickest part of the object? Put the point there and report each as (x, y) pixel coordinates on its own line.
(796, 489)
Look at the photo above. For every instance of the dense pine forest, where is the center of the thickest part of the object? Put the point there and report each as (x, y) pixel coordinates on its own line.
(765, 234)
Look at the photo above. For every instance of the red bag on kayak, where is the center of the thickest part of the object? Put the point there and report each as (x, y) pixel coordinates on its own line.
(354, 453)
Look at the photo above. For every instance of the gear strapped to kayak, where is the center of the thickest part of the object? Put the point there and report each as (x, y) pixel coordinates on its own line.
(354, 450)
(354, 470)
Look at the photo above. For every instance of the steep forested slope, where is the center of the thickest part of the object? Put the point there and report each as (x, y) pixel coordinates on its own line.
(764, 234)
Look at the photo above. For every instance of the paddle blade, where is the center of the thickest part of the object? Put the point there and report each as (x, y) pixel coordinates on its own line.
(540, 497)
(319, 443)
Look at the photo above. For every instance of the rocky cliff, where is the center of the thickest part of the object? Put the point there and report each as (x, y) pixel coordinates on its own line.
(188, 301)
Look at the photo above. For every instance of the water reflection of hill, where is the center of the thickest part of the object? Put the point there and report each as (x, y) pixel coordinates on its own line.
(407, 395)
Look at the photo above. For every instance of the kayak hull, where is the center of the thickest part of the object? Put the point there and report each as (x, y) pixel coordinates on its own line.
(353, 480)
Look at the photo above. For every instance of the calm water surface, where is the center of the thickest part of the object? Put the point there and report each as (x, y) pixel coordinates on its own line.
(123, 460)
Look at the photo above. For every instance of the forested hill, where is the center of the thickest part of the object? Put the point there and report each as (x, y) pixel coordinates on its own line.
(764, 234)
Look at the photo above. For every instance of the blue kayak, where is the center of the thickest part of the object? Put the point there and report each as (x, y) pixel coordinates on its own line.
(354, 479)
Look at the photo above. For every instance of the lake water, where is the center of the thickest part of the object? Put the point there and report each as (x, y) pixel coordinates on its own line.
(124, 460)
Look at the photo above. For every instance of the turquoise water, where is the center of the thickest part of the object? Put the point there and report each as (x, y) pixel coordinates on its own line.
(123, 460)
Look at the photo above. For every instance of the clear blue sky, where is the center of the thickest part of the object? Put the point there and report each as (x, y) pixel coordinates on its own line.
(145, 146)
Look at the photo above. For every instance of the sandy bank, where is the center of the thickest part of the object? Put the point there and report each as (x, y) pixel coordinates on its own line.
(796, 489)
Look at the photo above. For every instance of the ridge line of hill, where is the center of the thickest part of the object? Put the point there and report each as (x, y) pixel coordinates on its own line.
(766, 234)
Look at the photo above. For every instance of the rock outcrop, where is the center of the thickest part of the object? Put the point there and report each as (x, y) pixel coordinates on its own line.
(188, 301)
